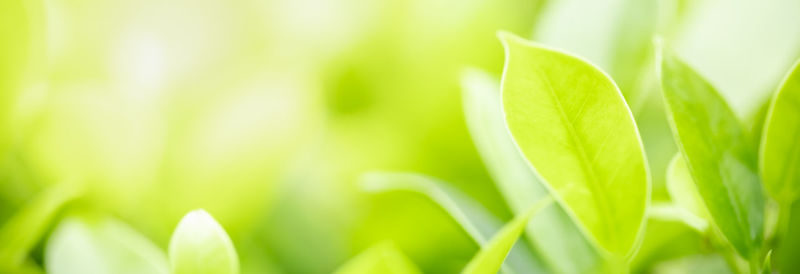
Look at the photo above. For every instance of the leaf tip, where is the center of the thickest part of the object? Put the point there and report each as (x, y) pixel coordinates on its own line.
(200, 242)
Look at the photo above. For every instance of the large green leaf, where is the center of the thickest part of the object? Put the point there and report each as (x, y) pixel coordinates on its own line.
(200, 245)
(571, 123)
(780, 149)
(479, 224)
(380, 258)
(717, 152)
(20, 233)
(89, 245)
(518, 183)
(491, 256)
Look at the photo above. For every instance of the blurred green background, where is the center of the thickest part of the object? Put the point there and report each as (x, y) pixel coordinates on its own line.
(267, 112)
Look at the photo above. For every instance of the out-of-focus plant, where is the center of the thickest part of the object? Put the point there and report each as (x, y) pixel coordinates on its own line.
(565, 114)
(117, 117)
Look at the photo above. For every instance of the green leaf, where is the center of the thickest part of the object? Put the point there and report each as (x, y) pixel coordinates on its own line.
(717, 153)
(711, 263)
(682, 190)
(670, 212)
(473, 218)
(767, 267)
(380, 258)
(786, 255)
(518, 183)
(491, 256)
(200, 245)
(780, 150)
(84, 245)
(571, 123)
(20, 233)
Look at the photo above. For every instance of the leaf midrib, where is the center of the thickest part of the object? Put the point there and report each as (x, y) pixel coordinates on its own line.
(600, 199)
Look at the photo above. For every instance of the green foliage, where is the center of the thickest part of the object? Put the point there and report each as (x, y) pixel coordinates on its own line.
(518, 183)
(595, 167)
(200, 245)
(779, 161)
(492, 255)
(97, 245)
(380, 258)
(717, 152)
(267, 113)
(25, 229)
(471, 216)
(682, 189)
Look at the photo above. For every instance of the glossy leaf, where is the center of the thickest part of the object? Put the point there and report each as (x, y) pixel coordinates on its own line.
(571, 123)
(200, 245)
(491, 256)
(717, 153)
(83, 245)
(479, 224)
(682, 190)
(518, 183)
(780, 149)
(20, 233)
(380, 258)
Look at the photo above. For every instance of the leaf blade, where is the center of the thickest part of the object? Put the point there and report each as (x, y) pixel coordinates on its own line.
(549, 99)
(88, 246)
(491, 256)
(200, 245)
(779, 162)
(380, 258)
(478, 223)
(20, 233)
(518, 183)
(717, 152)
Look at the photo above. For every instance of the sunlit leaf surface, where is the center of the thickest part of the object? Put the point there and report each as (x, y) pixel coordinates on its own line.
(200, 245)
(553, 234)
(571, 123)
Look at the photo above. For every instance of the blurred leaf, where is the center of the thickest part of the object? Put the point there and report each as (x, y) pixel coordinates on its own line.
(666, 239)
(694, 264)
(380, 258)
(200, 245)
(84, 245)
(669, 212)
(767, 266)
(518, 183)
(682, 189)
(21, 233)
(471, 216)
(780, 150)
(717, 153)
(491, 256)
(786, 255)
(571, 123)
